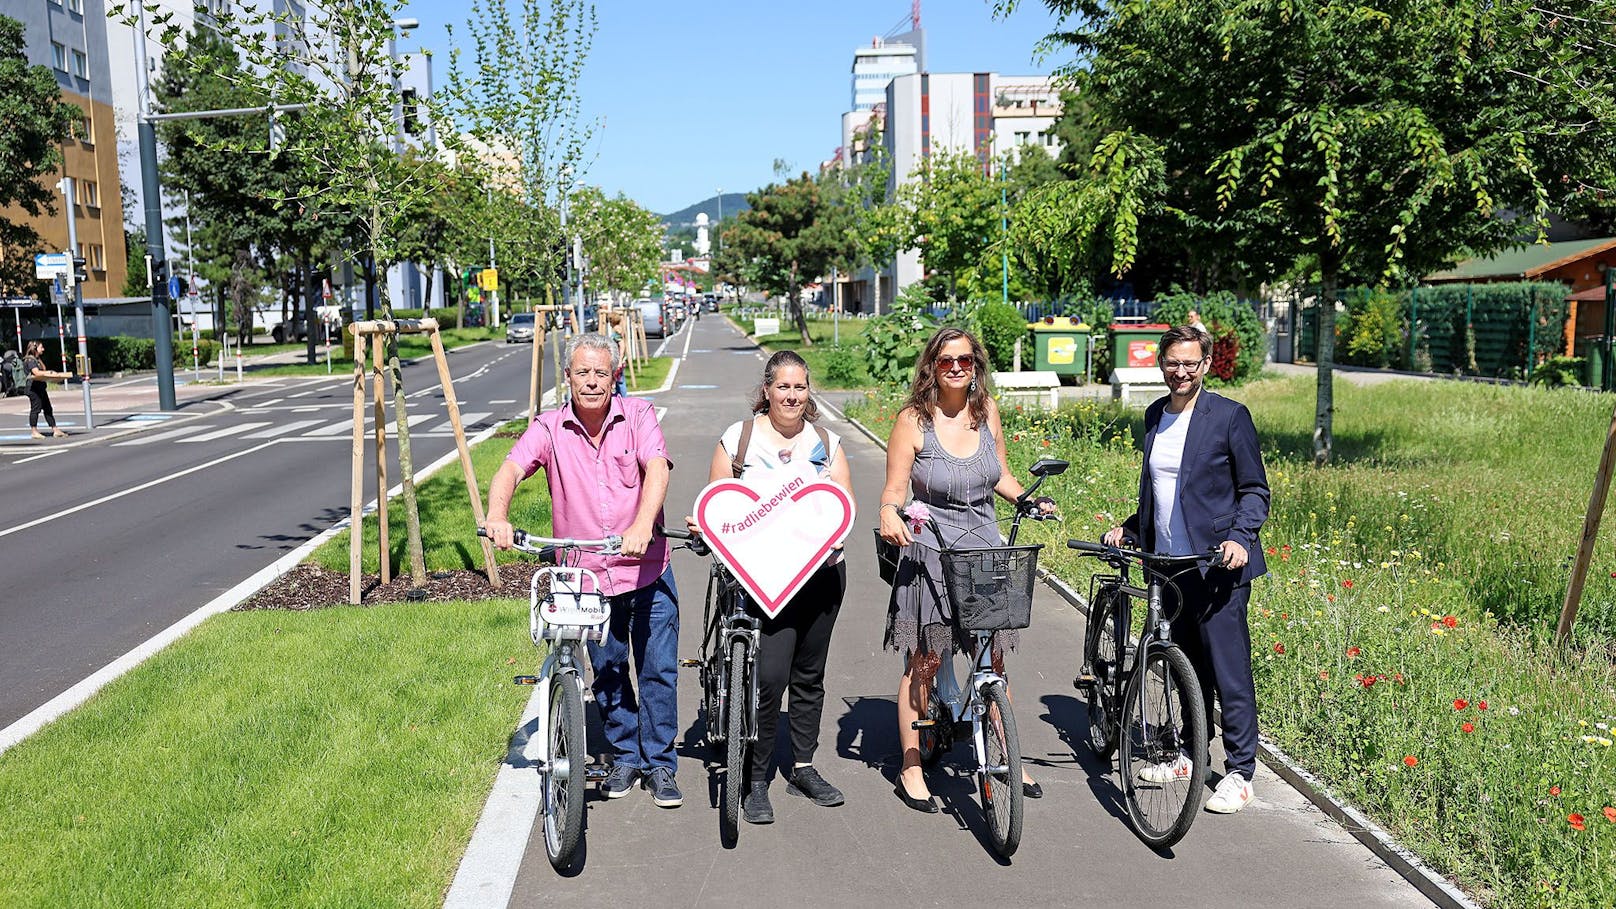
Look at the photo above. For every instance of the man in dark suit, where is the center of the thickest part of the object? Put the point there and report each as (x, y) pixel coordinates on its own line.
(1203, 487)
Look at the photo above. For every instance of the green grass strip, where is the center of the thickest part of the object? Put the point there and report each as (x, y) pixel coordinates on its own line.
(338, 757)
(650, 375)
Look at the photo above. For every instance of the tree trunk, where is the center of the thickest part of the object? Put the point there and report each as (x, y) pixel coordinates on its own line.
(426, 301)
(1329, 269)
(305, 285)
(370, 292)
(795, 300)
(401, 427)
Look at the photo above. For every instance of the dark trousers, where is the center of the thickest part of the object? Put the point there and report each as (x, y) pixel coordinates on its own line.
(792, 652)
(1211, 627)
(39, 403)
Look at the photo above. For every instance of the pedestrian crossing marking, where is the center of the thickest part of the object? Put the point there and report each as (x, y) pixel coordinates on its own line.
(282, 429)
(225, 432)
(161, 436)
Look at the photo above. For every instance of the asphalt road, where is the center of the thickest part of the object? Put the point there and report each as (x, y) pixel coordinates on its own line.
(1076, 849)
(113, 535)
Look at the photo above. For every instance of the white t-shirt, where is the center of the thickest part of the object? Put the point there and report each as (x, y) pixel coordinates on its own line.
(1166, 458)
(763, 454)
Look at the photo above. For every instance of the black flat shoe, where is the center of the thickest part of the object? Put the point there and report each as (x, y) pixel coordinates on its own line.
(1032, 790)
(925, 806)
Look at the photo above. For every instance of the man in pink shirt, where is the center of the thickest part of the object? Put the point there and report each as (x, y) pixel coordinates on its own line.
(607, 467)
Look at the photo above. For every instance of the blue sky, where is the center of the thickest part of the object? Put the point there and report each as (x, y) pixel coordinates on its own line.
(699, 95)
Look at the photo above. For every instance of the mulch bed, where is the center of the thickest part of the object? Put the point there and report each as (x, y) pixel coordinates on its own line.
(314, 587)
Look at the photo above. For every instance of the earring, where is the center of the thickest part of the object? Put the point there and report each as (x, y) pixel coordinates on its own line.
(973, 385)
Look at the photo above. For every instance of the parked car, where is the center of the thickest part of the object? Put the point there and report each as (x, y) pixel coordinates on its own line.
(519, 329)
(651, 312)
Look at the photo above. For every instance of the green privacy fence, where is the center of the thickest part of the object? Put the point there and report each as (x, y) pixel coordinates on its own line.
(1496, 330)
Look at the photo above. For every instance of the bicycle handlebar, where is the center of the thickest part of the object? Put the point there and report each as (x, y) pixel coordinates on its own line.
(1118, 555)
(542, 545)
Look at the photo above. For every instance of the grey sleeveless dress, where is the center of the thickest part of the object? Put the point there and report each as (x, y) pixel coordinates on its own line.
(959, 493)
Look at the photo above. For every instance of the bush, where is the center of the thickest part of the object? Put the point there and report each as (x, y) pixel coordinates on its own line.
(998, 326)
(1373, 331)
(1225, 355)
(1556, 372)
(1223, 313)
(843, 366)
(893, 341)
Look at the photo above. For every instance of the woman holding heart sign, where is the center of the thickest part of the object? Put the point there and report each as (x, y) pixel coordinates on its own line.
(780, 439)
(947, 445)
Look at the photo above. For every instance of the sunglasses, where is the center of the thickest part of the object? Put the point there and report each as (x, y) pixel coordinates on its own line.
(946, 364)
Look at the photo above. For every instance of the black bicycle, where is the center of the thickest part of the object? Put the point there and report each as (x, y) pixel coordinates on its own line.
(1144, 700)
(729, 686)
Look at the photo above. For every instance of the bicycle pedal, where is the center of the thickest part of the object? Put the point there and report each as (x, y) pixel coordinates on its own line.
(595, 773)
(525, 680)
(690, 664)
(923, 724)
(1084, 682)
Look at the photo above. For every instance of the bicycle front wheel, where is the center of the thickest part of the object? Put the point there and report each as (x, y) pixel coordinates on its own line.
(736, 703)
(564, 780)
(999, 772)
(1162, 752)
(1102, 663)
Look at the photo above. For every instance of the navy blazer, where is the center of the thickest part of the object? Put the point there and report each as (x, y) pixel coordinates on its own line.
(1222, 485)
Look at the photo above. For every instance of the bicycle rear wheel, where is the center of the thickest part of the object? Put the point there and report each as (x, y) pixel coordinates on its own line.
(999, 773)
(1102, 660)
(564, 781)
(1162, 746)
(736, 703)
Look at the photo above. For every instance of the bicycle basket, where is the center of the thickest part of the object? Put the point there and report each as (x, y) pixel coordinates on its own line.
(991, 589)
(571, 607)
(886, 558)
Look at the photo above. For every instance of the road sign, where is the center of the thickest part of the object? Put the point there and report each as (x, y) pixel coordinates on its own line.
(18, 302)
(48, 265)
(173, 287)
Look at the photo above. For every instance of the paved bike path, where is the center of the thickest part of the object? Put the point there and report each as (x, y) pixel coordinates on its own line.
(1076, 845)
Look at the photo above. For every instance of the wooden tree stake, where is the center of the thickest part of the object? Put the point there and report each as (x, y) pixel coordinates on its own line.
(1590, 534)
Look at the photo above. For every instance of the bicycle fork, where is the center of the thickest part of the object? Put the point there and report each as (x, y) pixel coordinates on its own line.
(537, 747)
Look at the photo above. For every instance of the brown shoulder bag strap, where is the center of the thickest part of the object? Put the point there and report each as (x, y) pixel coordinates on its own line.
(737, 464)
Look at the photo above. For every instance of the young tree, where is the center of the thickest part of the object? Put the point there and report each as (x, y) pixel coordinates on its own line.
(620, 239)
(1383, 140)
(791, 234)
(36, 123)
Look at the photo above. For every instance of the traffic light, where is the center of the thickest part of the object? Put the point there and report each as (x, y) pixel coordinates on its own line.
(80, 274)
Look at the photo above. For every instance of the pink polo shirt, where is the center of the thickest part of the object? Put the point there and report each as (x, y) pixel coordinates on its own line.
(595, 492)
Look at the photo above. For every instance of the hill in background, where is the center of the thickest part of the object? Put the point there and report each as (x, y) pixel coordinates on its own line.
(684, 217)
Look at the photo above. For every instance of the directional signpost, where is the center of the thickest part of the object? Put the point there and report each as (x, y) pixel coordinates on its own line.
(17, 305)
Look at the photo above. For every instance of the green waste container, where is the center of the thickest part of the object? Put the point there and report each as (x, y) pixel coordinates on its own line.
(1062, 346)
(1592, 349)
(1133, 344)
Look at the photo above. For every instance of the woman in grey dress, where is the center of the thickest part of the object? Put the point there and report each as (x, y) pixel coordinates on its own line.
(948, 445)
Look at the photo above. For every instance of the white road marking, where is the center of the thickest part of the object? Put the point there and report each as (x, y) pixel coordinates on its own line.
(224, 433)
(158, 437)
(130, 491)
(282, 429)
(48, 454)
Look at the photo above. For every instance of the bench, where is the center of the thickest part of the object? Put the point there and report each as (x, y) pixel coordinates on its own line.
(1042, 387)
(1127, 380)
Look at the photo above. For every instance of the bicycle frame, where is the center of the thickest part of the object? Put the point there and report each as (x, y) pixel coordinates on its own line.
(966, 705)
(726, 622)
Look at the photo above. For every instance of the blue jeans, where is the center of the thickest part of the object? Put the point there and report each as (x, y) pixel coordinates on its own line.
(640, 729)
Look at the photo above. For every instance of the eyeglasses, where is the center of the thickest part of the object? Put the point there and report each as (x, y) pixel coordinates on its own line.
(1181, 365)
(946, 364)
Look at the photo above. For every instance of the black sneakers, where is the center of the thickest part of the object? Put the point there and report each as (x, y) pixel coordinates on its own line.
(755, 806)
(806, 782)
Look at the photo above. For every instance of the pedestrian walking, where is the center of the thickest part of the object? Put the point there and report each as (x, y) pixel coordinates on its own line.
(39, 402)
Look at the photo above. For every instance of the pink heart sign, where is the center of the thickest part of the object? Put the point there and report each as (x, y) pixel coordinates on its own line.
(773, 534)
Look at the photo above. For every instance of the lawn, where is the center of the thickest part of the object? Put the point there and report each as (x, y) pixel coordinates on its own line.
(338, 757)
(650, 374)
(1400, 641)
(830, 365)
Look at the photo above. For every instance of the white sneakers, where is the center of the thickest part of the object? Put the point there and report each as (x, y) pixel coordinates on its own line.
(1175, 771)
(1233, 793)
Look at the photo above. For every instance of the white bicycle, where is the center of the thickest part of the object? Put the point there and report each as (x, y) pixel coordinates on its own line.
(565, 609)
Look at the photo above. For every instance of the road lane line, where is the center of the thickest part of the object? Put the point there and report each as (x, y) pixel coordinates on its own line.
(282, 429)
(132, 490)
(48, 454)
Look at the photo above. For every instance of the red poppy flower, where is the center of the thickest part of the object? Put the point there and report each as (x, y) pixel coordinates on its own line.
(1460, 703)
(1347, 583)
(1368, 681)
(1279, 647)
(1554, 790)
(1610, 814)
(1410, 760)
(1468, 727)
(1576, 822)
(1273, 551)
(1286, 547)
(1399, 678)
(1329, 598)
(1324, 675)
(1352, 653)
(1481, 705)
(1450, 621)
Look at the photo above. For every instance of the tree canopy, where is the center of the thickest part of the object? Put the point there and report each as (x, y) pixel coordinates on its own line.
(36, 122)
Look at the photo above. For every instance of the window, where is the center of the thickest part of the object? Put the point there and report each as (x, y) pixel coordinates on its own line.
(81, 65)
(91, 197)
(1049, 140)
(98, 256)
(86, 130)
(75, 6)
(1022, 138)
(58, 56)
